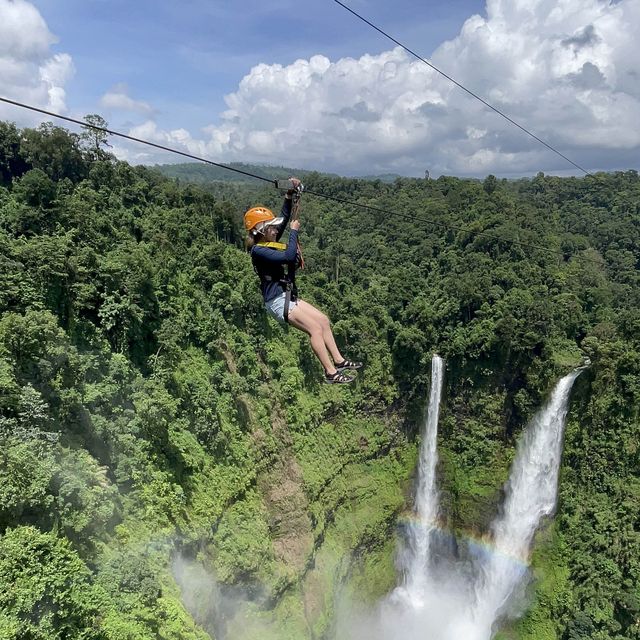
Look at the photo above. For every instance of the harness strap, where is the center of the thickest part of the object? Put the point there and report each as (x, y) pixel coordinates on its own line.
(300, 256)
(287, 302)
(280, 246)
(287, 285)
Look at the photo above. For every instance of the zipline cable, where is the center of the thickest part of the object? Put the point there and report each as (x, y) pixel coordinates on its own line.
(353, 203)
(461, 86)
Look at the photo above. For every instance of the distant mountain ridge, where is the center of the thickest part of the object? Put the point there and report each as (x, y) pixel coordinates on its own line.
(200, 173)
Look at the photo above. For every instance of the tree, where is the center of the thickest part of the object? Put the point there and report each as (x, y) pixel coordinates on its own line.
(12, 163)
(45, 589)
(36, 189)
(93, 138)
(490, 184)
(54, 150)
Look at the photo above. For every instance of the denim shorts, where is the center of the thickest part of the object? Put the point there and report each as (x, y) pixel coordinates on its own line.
(275, 306)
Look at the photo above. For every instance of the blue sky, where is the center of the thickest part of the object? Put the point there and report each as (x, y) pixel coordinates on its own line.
(307, 84)
(185, 57)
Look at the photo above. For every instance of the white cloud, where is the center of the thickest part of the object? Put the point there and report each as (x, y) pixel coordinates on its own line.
(55, 73)
(23, 32)
(568, 70)
(28, 70)
(118, 99)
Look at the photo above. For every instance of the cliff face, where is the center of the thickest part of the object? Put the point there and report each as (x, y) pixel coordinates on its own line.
(324, 501)
(252, 530)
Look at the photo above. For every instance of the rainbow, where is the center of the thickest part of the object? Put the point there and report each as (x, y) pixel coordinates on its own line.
(482, 546)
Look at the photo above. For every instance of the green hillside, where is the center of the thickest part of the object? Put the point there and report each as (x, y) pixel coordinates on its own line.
(171, 465)
(205, 174)
(200, 173)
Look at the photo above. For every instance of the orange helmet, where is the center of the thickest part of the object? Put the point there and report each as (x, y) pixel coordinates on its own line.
(256, 215)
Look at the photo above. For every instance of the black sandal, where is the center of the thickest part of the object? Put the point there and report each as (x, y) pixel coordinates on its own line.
(348, 364)
(337, 378)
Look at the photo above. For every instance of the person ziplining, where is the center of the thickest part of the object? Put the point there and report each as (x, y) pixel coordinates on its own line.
(278, 285)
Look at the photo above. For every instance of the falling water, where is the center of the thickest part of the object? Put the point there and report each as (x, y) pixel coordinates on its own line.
(426, 493)
(530, 495)
(419, 532)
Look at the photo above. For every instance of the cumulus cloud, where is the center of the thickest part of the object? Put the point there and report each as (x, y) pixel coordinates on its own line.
(567, 70)
(29, 72)
(23, 32)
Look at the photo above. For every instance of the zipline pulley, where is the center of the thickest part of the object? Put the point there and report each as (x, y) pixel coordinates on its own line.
(296, 190)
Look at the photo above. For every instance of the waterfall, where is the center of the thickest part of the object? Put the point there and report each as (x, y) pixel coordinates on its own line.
(445, 595)
(530, 495)
(419, 532)
(426, 501)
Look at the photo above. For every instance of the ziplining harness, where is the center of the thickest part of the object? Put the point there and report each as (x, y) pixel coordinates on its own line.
(287, 282)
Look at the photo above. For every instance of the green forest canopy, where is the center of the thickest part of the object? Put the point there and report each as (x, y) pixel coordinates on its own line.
(147, 404)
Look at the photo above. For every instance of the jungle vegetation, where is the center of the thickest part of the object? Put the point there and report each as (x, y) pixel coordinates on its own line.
(155, 424)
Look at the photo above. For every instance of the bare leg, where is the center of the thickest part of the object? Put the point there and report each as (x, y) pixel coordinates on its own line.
(324, 322)
(300, 318)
